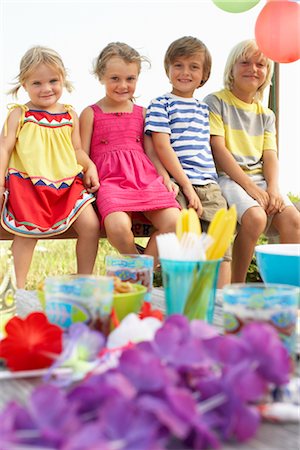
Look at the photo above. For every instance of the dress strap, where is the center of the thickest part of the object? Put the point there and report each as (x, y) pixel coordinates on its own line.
(11, 107)
(69, 108)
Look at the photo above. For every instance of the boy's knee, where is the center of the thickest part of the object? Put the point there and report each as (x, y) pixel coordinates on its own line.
(254, 220)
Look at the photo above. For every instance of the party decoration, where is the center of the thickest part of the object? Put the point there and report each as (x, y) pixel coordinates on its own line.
(188, 222)
(277, 31)
(221, 229)
(235, 6)
(186, 387)
(31, 343)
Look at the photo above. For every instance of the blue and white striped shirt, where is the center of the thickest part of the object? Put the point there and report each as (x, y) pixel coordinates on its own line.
(186, 120)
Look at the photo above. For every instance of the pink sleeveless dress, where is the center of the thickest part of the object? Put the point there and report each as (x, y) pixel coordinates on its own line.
(128, 179)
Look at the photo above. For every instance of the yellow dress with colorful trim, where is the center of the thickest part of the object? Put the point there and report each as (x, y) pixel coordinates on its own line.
(45, 192)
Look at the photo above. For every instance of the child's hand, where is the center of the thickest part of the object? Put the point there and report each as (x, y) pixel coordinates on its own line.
(193, 199)
(171, 186)
(276, 203)
(91, 179)
(259, 194)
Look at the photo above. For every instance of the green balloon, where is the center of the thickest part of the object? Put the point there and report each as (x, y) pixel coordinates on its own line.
(235, 6)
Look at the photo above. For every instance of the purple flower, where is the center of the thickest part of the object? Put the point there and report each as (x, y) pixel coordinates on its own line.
(52, 414)
(133, 427)
(184, 389)
(144, 369)
(175, 345)
(95, 391)
(272, 358)
(16, 426)
(88, 437)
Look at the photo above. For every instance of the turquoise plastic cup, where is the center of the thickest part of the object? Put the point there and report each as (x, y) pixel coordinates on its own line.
(275, 304)
(190, 287)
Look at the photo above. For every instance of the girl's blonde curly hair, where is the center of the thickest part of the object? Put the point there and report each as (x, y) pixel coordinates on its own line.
(34, 57)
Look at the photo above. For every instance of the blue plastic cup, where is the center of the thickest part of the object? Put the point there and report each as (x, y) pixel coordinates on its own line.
(190, 287)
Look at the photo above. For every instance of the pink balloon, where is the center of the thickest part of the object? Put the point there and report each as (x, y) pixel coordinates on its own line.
(277, 31)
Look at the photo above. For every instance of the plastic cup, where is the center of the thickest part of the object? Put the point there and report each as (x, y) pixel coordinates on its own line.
(7, 288)
(79, 298)
(184, 279)
(275, 304)
(136, 269)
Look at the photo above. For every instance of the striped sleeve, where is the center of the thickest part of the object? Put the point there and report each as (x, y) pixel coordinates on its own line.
(216, 123)
(270, 131)
(157, 118)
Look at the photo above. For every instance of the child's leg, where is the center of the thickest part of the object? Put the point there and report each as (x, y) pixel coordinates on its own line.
(22, 250)
(164, 220)
(118, 231)
(224, 274)
(287, 223)
(87, 227)
(253, 223)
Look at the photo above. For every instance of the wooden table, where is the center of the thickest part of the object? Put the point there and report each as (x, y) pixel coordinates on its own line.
(269, 436)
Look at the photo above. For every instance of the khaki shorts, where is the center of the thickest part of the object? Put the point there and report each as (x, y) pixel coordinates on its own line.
(212, 200)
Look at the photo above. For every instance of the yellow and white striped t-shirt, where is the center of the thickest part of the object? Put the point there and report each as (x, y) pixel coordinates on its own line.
(248, 129)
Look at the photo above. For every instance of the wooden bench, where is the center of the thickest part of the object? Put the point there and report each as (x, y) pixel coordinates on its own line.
(141, 228)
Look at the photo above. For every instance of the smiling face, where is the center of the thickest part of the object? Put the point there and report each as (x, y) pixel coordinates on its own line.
(120, 79)
(186, 74)
(249, 73)
(44, 86)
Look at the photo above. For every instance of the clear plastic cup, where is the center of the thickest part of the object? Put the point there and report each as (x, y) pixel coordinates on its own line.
(134, 268)
(275, 304)
(79, 298)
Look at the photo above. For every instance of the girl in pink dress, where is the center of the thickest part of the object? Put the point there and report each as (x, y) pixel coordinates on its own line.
(112, 133)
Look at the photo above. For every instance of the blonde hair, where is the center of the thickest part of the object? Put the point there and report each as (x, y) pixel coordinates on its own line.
(120, 50)
(32, 59)
(186, 47)
(243, 50)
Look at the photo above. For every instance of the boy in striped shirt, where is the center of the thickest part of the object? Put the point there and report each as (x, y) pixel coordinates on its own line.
(179, 126)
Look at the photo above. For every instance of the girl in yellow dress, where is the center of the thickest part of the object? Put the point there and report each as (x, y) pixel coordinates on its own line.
(46, 180)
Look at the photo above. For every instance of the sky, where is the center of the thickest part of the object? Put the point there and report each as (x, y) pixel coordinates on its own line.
(79, 30)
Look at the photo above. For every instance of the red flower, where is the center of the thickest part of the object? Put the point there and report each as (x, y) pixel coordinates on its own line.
(147, 311)
(31, 343)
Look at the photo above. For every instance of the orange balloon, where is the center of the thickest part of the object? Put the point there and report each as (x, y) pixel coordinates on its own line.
(277, 31)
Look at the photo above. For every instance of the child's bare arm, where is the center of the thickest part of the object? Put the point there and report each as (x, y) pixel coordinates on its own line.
(86, 121)
(226, 162)
(91, 179)
(152, 155)
(271, 173)
(7, 143)
(172, 164)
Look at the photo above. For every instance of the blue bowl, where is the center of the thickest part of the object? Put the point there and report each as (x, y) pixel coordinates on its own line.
(279, 263)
